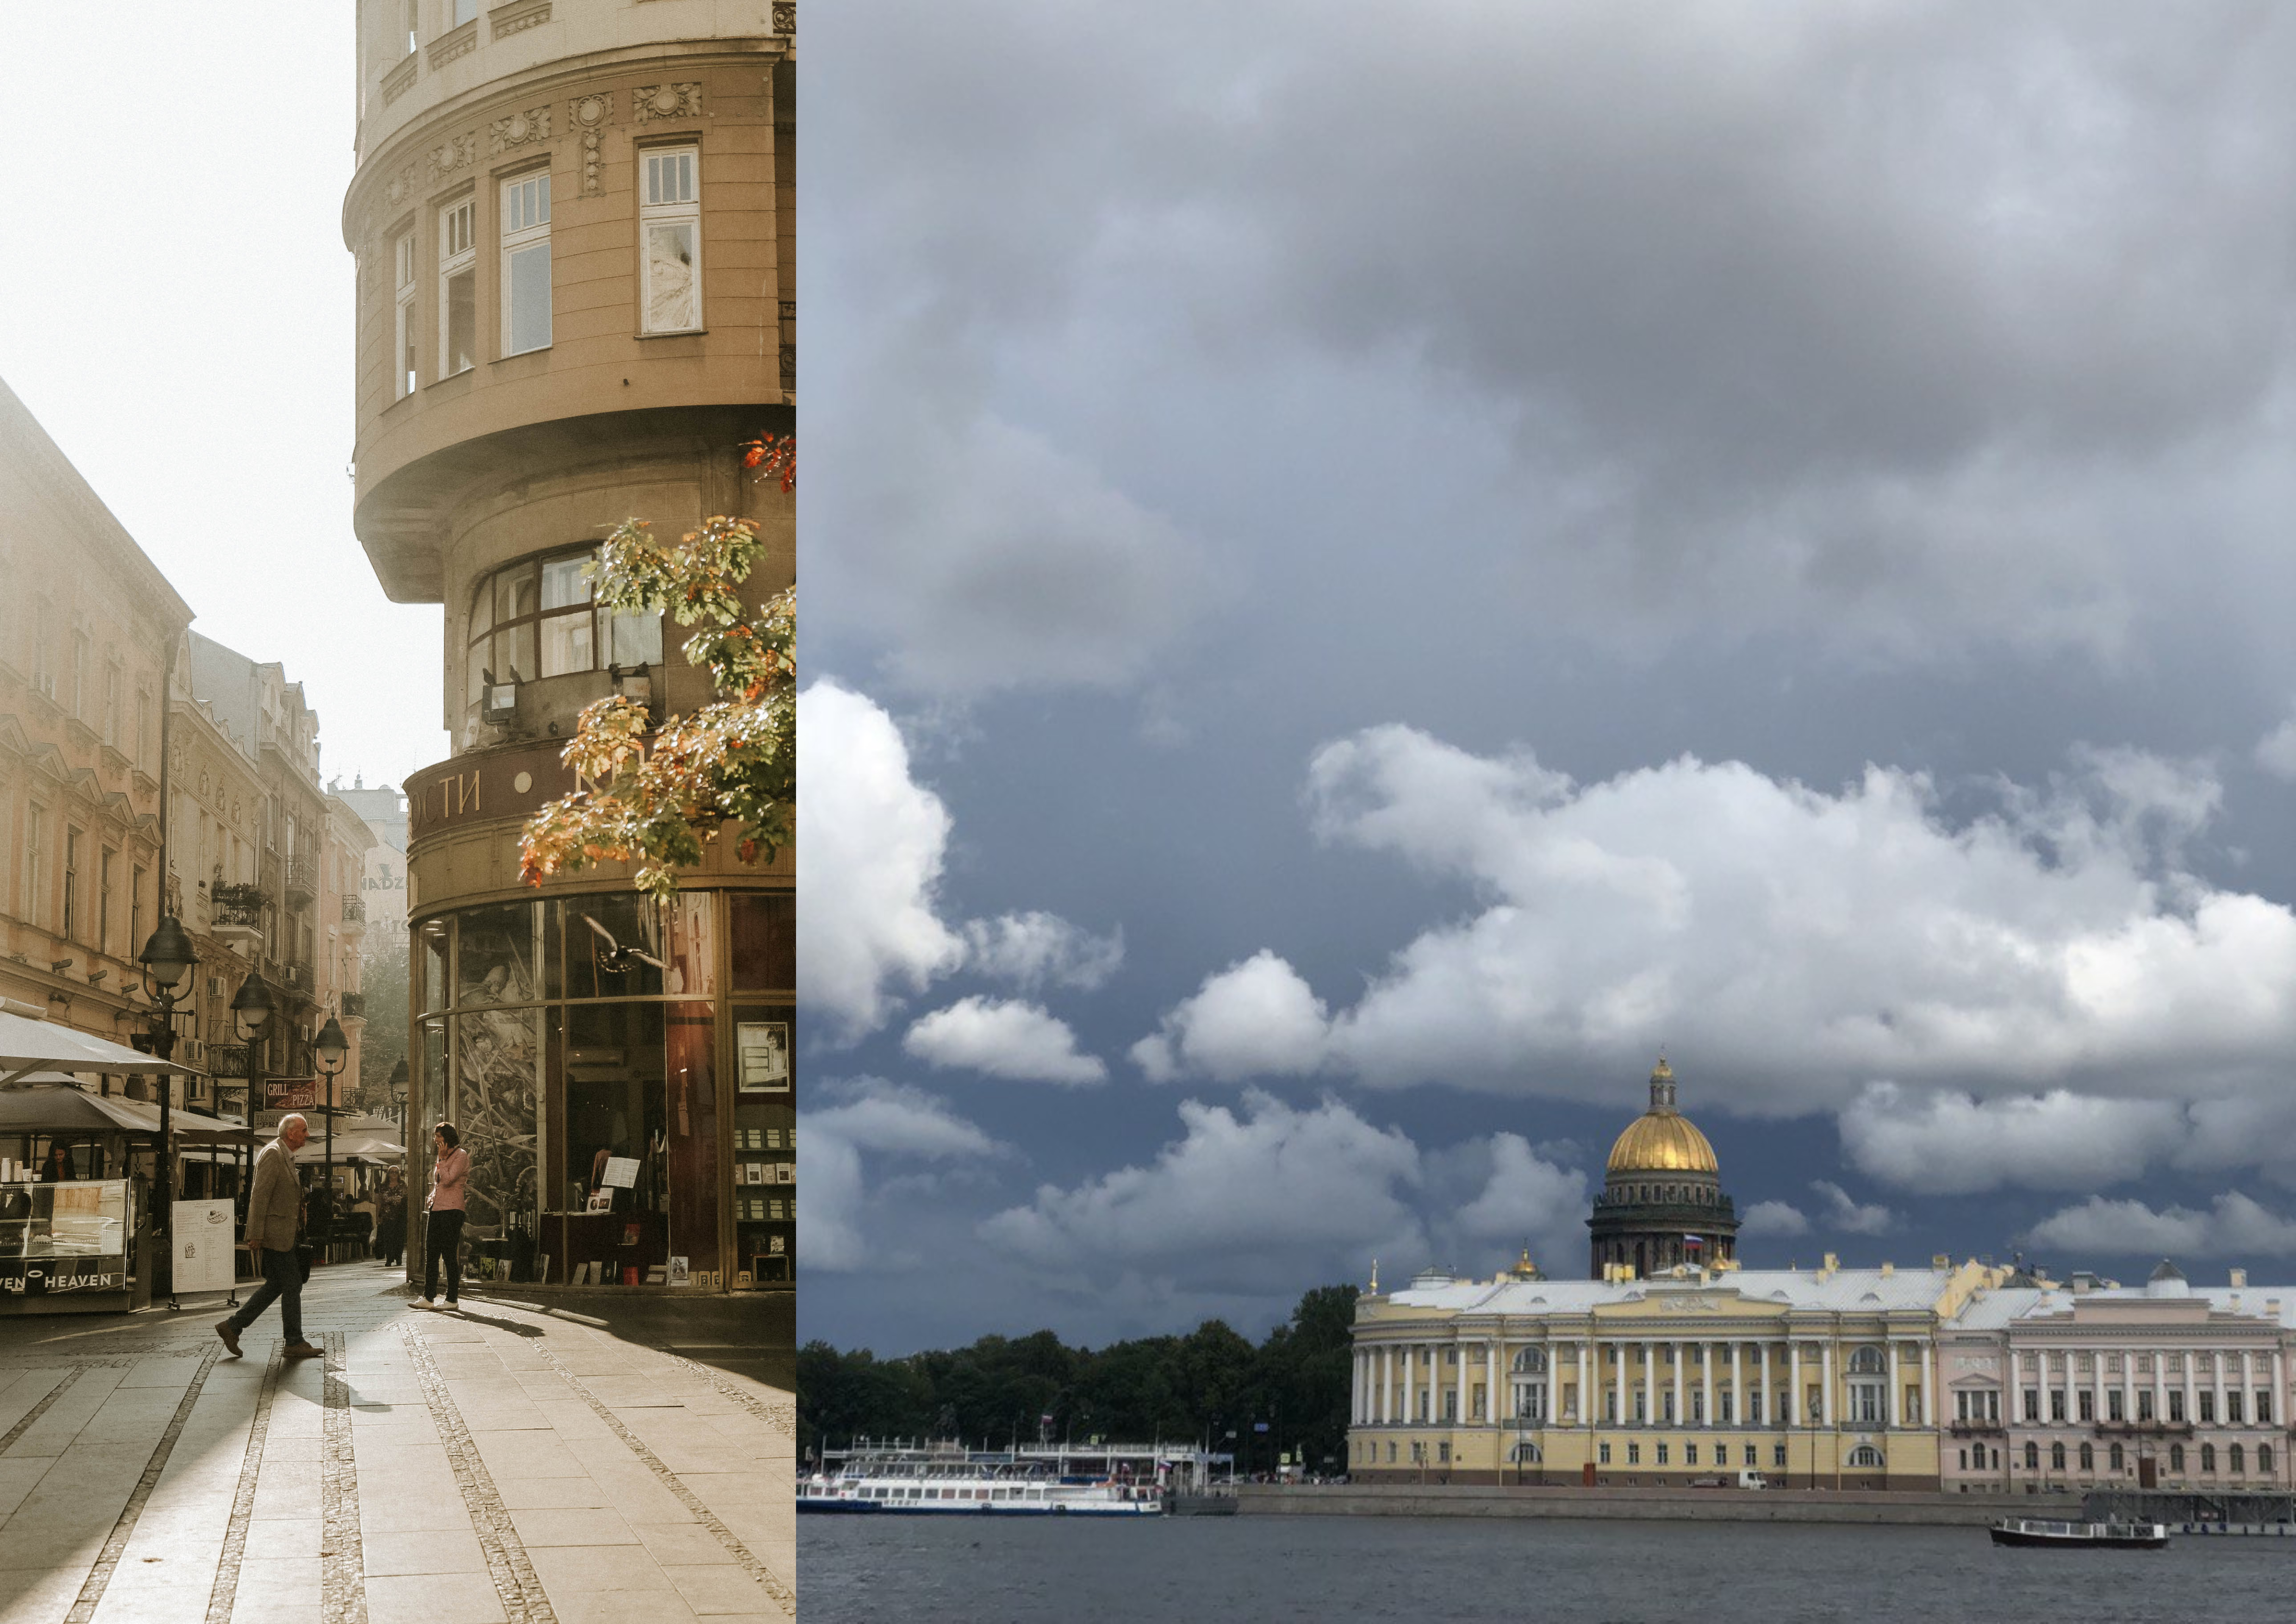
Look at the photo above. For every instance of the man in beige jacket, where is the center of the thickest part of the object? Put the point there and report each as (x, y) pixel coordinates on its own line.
(275, 1201)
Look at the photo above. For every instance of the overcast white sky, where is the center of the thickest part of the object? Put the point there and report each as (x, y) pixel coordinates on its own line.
(1368, 568)
(176, 307)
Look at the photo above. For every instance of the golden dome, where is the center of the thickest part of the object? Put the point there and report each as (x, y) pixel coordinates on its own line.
(1662, 1140)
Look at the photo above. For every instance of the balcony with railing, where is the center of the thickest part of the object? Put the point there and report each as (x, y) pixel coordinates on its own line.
(354, 1006)
(302, 879)
(354, 910)
(240, 905)
(227, 1060)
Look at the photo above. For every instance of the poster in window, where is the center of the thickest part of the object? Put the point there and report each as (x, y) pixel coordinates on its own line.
(765, 1052)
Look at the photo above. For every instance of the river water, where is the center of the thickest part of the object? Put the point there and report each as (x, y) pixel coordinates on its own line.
(1454, 1570)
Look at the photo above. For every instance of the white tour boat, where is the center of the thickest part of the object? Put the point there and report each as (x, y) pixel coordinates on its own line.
(2042, 1533)
(958, 1485)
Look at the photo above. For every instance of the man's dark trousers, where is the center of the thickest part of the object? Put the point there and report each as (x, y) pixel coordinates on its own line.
(283, 1278)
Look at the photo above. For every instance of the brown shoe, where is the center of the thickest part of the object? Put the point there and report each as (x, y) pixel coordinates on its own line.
(230, 1334)
(300, 1350)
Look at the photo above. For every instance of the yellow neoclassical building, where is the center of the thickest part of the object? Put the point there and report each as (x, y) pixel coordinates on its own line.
(1670, 1364)
(1824, 1377)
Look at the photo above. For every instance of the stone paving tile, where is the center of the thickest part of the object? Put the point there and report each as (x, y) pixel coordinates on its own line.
(621, 1606)
(570, 1570)
(430, 1599)
(685, 1544)
(541, 1526)
(172, 1371)
(718, 1588)
(281, 1538)
(562, 1490)
(429, 1551)
(529, 1454)
(395, 1511)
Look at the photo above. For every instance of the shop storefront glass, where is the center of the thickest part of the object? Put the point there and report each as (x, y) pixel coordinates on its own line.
(622, 1076)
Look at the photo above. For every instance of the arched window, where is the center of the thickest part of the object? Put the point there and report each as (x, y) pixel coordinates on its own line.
(2087, 1458)
(2239, 1456)
(2208, 1459)
(2115, 1458)
(534, 618)
(2177, 1457)
(1867, 1362)
(1530, 1362)
(1865, 1455)
(2264, 1460)
(2032, 1458)
(2056, 1458)
(1523, 1454)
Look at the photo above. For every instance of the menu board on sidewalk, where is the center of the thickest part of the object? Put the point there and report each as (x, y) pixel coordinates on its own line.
(204, 1246)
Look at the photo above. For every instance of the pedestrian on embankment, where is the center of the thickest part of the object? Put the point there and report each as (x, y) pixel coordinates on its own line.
(442, 1227)
(275, 1198)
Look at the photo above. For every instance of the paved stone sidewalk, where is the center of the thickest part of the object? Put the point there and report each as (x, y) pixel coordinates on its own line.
(450, 1469)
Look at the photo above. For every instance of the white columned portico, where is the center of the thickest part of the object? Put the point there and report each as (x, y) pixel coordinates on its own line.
(2097, 1383)
(1459, 1388)
(1737, 1382)
(1404, 1391)
(2128, 1383)
(1650, 1383)
(2247, 1388)
(1707, 1352)
(1825, 1374)
(2216, 1375)
(1892, 1410)
(1680, 1353)
(1492, 1411)
(2072, 1409)
(1586, 1394)
(1762, 1377)
(1793, 1417)
(1929, 1401)
(1619, 1352)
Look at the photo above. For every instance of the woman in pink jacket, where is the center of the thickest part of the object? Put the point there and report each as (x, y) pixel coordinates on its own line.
(442, 1230)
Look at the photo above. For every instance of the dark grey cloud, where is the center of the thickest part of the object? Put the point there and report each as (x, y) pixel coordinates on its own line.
(1808, 484)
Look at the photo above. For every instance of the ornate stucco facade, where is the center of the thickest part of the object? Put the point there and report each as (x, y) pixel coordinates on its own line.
(85, 624)
(1960, 1379)
(575, 228)
(1822, 1378)
(2088, 1386)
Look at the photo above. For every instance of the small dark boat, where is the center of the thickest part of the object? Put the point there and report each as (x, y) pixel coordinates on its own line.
(2043, 1533)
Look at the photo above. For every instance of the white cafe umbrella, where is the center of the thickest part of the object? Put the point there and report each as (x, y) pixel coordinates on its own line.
(29, 1043)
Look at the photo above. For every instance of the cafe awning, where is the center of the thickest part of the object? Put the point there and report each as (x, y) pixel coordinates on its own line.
(48, 1103)
(28, 1044)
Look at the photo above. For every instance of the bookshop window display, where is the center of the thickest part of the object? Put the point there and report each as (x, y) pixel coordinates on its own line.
(622, 1075)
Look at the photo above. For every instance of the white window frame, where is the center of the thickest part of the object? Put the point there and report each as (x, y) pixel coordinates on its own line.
(525, 216)
(34, 903)
(671, 177)
(402, 355)
(458, 253)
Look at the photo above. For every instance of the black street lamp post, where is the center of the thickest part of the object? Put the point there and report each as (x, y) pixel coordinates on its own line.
(251, 1009)
(167, 959)
(333, 1050)
(398, 1076)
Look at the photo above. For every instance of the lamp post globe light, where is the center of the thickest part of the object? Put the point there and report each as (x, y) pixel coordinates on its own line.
(333, 1051)
(167, 959)
(398, 1075)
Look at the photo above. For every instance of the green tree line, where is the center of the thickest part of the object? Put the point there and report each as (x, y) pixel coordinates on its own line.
(1210, 1387)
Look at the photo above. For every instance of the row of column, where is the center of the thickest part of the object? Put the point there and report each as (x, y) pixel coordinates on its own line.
(2067, 1384)
(1390, 1375)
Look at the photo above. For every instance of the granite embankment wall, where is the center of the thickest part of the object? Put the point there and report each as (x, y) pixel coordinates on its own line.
(1647, 1505)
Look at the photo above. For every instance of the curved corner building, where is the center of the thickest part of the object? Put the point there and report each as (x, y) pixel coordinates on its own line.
(574, 223)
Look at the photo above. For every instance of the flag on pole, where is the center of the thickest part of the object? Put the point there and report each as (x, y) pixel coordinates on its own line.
(1693, 1241)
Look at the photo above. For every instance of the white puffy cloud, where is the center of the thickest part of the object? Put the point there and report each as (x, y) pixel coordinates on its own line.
(1947, 1143)
(1033, 948)
(1848, 1215)
(1003, 1037)
(875, 841)
(1253, 1019)
(2276, 751)
(1765, 1219)
(872, 841)
(1521, 1199)
(1288, 1182)
(864, 1124)
(2234, 1224)
(1803, 940)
